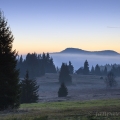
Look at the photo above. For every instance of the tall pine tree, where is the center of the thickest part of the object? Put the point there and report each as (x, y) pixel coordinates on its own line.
(9, 76)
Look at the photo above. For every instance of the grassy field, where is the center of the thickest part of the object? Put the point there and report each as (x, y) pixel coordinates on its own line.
(68, 110)
(88, 99)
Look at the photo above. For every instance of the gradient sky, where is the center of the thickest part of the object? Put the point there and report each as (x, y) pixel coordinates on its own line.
(53, 25)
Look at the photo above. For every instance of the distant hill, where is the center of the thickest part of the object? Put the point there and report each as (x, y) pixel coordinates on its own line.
(80, 51)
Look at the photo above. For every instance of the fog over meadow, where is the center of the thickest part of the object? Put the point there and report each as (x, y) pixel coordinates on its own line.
(79, 59)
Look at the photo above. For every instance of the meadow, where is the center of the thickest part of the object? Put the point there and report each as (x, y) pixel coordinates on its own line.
(84, 87)
(88, 99)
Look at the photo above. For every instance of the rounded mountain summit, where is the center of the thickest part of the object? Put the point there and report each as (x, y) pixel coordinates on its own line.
(80, 51)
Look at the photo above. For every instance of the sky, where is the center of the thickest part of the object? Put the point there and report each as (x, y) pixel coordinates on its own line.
(53, 25)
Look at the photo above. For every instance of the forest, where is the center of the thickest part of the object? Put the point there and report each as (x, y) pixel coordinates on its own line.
(36, 64)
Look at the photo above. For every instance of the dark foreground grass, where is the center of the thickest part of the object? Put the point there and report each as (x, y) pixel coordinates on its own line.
(74, 110)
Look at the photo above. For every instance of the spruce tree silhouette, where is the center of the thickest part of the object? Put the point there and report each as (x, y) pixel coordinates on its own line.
(105, 71)
(86, 68)
(29, 90)
(71, 68)
(63, 92)
(64, 75)
(97, 70)
(92, 70)
(9, 76)
(80, 70)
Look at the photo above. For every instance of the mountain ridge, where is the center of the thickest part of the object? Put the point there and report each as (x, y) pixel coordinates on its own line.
(80, 51)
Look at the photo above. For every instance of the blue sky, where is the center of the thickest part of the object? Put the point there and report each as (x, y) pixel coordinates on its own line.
(53, 25)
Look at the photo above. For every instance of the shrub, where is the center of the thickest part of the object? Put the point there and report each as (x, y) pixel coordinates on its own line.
(63, 92)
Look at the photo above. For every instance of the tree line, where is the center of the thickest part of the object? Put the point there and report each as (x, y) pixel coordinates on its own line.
(39, 64)
(36, 64)
(94, 70)
(115, 69)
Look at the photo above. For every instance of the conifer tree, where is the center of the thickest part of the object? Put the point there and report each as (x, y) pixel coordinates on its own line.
(97, 70)
(57, 70)
(9, 75)
(80, 70)
(64, 75)
(92, 70)
(20, 66)
(71, 68)
(63, 92)
(105, 71)
(29, 90)
(86, 68)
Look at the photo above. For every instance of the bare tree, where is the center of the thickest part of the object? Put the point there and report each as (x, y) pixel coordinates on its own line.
(110, 80)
